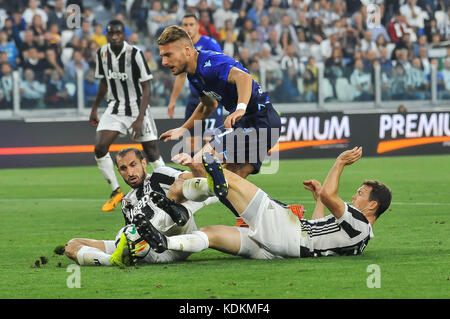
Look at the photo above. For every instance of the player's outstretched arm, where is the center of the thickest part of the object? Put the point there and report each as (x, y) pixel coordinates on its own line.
(176, 91)
(314, 187)
(136, 126)
(206, 106)
(329, 192)
(244, 83)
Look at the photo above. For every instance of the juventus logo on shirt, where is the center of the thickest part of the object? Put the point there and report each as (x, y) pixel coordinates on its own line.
(116, 76)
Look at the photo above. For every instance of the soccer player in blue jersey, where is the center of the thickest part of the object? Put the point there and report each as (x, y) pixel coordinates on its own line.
(201, 42)
(253, 125)
(219, 78)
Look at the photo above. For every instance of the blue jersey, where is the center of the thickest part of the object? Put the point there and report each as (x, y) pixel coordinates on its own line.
(205, 43)
(210, 79)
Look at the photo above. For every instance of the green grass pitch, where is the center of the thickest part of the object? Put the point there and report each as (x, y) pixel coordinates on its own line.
(43, 208)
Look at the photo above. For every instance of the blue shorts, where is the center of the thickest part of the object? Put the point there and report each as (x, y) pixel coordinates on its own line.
(251, 138)
(209, 124)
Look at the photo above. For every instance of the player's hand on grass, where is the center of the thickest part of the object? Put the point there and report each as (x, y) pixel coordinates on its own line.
(93, 118)
(233, 118)
(350, 156)
(173, 134)
(136, 127)
(313, 186)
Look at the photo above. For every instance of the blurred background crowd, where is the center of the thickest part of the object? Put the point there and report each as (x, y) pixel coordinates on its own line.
(281, 43)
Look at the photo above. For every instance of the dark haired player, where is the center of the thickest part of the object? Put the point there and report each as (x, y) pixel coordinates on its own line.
(170, 219)
(274, 231)
(125, 80)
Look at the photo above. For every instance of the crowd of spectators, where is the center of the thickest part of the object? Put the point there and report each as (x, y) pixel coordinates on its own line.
(281, 43)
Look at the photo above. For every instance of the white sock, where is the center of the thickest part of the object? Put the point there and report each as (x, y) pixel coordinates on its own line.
(158, 163)
(106, 166)
(193, 243)
(196, 189)
(92, 256)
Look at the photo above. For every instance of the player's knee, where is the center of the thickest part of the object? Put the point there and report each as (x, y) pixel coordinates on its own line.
(100, 150)
(243, 170)
(152, 150)
(209, 231)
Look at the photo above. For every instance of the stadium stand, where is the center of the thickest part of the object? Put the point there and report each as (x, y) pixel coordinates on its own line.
(348, 41)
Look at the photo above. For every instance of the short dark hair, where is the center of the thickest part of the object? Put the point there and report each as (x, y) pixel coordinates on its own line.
(115, 22)
(381, 194)
(126, 150)
(190, 15)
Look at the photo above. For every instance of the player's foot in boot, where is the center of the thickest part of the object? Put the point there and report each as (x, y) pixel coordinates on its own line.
(214, 175)
(114, 199)
(121, 256)
(177, 212)
(151, 235)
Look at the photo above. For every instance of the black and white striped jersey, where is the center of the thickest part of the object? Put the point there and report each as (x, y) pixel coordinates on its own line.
(124, 74)
(329, 236)
(137, 200)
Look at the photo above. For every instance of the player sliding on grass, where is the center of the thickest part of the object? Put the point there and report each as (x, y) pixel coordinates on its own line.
(275, 232)
(175, 219)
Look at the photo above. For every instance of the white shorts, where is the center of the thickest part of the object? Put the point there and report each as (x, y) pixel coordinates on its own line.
(122, 123)
(274, 231)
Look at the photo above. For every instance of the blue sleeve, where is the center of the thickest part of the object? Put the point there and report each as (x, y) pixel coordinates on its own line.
(215, 46)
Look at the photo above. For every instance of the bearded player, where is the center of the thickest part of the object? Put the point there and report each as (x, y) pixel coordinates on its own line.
(169, 218)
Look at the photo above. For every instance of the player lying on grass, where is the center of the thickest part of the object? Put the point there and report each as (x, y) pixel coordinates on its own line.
(275, 232)
(175, 219)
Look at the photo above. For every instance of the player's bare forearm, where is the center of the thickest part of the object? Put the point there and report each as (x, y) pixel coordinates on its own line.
(102, 90)
(319, 210)
(177, 87)
(203, 110)
(244, 83)
(314, 187)
(145, 100)
(329, 192)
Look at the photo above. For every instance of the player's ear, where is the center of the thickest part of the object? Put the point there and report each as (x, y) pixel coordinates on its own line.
(373, 204)
(187, 50)
(144, 162)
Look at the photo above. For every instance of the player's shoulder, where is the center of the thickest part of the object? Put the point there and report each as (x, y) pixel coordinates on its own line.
(102, 49)
(353, 212)
(208, 40)
(129, 196)
(210, 58)
(132, 47)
